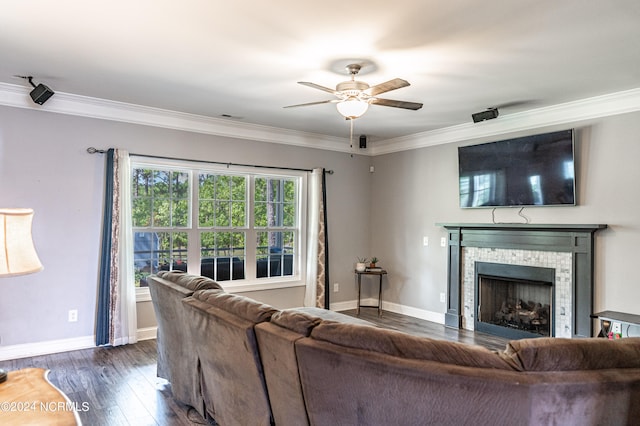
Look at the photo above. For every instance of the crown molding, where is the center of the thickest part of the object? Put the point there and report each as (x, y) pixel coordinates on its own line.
(569, 113)
(84, 106)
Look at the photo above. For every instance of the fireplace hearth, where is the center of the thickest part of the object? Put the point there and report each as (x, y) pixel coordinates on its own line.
(514, 301)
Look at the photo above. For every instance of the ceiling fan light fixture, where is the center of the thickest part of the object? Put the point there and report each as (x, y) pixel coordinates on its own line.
(352, 108)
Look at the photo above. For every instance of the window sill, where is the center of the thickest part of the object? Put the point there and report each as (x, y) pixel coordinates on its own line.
(143, 294)
(257, 286)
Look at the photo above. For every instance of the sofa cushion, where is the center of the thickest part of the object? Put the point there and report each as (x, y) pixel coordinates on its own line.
(303, 320)
(295, 320)
(191, 282)
(559, 354)
(241, 306)
(399, 344)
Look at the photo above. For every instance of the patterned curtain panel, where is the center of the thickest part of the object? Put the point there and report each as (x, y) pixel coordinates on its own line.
(317, 250)
(116, 322)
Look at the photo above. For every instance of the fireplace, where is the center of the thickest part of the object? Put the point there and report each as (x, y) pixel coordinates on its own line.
(514, 301)
(567, 249)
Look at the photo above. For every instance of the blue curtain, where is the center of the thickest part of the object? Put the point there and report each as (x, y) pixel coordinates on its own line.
(104, 294)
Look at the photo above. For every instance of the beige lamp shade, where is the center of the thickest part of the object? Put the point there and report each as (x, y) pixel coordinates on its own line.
(17, 254)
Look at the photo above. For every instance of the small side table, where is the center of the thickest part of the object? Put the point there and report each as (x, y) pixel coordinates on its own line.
(379, 273)
(607, 318)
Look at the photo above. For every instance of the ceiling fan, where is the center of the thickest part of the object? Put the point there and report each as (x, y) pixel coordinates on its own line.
(354, 96)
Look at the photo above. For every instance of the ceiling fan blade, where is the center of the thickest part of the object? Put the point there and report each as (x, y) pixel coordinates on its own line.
(397, 104)
(394, 84)
(317, 86)
(312, 103)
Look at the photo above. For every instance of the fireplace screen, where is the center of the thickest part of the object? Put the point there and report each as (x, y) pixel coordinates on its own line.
(513, 305)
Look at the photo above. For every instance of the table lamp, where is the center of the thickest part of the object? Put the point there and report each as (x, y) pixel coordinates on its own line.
(17, 254)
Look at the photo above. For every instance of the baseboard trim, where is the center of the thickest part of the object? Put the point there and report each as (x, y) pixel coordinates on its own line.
(63, 345)
(437, 317)
(147, 333)
(46, 348)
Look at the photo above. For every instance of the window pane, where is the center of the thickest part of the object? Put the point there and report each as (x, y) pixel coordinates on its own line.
(141, 212)
(158, 251)
(222, 200)
(180, 213)
(289, 214)
(239, 188)
(275, 253)
(222, 213)
(238, 213)
(275, 202)
(180, 188)
(141, 197)
(289, 191)
(180, 196)
(206, 213)
(161, 215)
(260, 189)
(260, 217)
(160, 198)
(160, 187)
(222, 255)
(206, 186)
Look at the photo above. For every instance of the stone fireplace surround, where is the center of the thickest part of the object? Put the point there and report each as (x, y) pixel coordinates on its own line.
(562, 287)
(567, 248)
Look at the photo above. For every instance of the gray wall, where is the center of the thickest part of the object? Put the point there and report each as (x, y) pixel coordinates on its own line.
(44, 165)
(416, 189)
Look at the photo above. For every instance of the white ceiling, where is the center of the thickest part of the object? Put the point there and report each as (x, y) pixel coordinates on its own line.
(243, 58)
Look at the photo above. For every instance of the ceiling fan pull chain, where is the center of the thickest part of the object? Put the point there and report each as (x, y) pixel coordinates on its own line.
(351, 135)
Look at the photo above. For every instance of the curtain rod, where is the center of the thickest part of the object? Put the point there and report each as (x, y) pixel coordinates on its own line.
(92, 150)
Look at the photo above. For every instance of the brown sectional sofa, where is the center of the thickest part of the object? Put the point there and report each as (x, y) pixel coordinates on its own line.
(360, 375)
(258, 365)
(176, 357)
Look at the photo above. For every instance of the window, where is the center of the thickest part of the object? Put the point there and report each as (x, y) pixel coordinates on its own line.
(234, 225)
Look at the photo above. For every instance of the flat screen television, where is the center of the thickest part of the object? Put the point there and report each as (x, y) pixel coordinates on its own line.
(533, 170)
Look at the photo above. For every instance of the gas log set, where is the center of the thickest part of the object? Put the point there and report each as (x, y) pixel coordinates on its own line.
(527, 316)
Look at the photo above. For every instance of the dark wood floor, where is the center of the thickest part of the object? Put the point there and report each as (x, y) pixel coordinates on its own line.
(119, 385)
(422, 328)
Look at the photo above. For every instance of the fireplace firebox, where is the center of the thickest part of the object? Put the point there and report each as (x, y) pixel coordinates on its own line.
(514, 301)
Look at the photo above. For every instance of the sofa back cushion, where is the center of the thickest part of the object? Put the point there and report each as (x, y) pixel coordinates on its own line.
(558, 354)
(297, 321)
(188, 281)
(241, 306)
(402, 345)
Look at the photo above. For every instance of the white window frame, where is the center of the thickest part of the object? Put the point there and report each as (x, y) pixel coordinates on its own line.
(193, 230)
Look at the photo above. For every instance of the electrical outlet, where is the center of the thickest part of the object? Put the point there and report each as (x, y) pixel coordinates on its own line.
(616, 328)
(336, 287)
(425, 241)
(443, 242)
(443, 297)
(73, 315)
